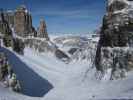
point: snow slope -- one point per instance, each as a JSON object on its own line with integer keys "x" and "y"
{"x": 74, "y": 81}
{"x": 71, "y": 82}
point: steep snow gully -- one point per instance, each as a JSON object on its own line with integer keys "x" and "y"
{"x": 32, "y": 84}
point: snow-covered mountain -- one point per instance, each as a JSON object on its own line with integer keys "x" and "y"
{"x": 44, "y": 77}
{"x": 97, "y": 66}
{"x": 77, "y": 47}
{"x": 76, "y": 80}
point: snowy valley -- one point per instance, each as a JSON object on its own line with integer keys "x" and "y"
{"x": 61, "y": 81}
{"x": 35, "y": 65}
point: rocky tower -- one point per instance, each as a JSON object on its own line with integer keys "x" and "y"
{"x": 4, "y": 27}
{"x": 1, "y": 15}
{"x": 22, "y": 22}
{"x": 116, "y": 35}
{"x": 6, "y": 33}
{"x": 9, "y": 17}
{"x": 42, "y": 30}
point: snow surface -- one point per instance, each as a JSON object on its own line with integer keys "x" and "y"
{"x": 74, "y": 81}
{"x": 43, "y": 77}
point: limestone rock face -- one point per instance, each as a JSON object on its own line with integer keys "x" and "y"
{"x": 118, "y": 24}
{"x": 42, "y": 30}
{"x": 18, "y": 46}
{"x": 6, "y": 33}
{"x": 16, "y": 26}
{"x": 23, "y": 22}
{"x": 4, "y": 27}
{"x": 118, "y": 60}
{"x": 115, "y": 5}
{"x": 9, "y": 17}
{"x": 20, "y": 20}
{"x": 116, "y": 31}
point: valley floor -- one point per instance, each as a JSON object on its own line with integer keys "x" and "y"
{"x": 55, "y": 80}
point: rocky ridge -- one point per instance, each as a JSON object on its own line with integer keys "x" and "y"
{"x": 23, "y": 22}
{"x": 42, "y": 30}
{"x": 116, "y": 31}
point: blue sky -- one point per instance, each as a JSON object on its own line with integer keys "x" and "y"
{"x": 63, "y": 16}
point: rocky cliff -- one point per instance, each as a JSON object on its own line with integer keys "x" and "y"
{"x": 4, "y": 26}
{"x": 23, "y": 22}
{"x": 116, "y": 31}
{"x": 118, "y": 24}
{"x": 42, "y": 30}
{"x": 9, "y": 17}
{"x": 20, "y": 20}
{"x": 5, "y": 31}
{"x": 18, "y": 24}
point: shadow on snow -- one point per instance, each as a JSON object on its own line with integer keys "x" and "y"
{"x": 32, "y": 84}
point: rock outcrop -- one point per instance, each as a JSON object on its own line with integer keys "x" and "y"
{"x": 5, "y": 31}
{"x": 40, "y": 45}
{"x": 79, "y": 48}
{"x": 117, "y": 60}
{"x": 43, "y": 46}
{"x": 116, "y": 31}
{"x": 18, "y": 46}
{"x": 62, "y": 56}
{"x": 4, "y": 27}
{"x": 20, "y": 20}
{"x": 23, "y": 22}
{"x": 9, "y": 17}
{"x": 18, "y": 24}
{"x": 7, "y": 76}
{"x": 42, "y": 30}
{"x": 86, "y": 52}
